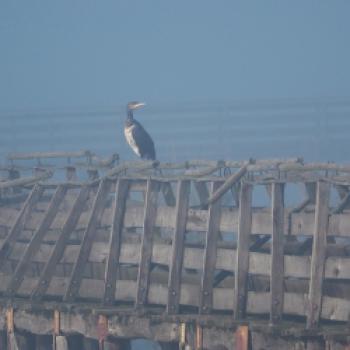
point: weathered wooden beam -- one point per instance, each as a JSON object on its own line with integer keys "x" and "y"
{"x": 16, "y": 228}
{"x": 122, "y": 190}
{"x": 85, "y": 247}
{"x": 300, "y": 223}
{"x": 230, "y": 181}
{"x": 318, "y": 254}
{"x": 183, "y": 192}
{"x": 59, "y": 247}
{"x": 35, "y": 242}
{"x": 26, "y": 180}
{"x": 209, "y": 261}
{"x": 150, "y": 210}
{"x": 242, "y": 256}
{"x": 277, "y": 258}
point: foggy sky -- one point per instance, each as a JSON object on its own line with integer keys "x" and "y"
{"x": 85, "y": 54}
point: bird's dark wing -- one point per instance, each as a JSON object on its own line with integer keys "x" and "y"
{"x": 143, "y": 141}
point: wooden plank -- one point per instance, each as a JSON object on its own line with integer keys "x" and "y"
{"x": 318, "y": 254}
{"x": 16, "y": 228}
{"x": 24, "y": 181}
{"x": 34, "y": 244}
{"x": 176, "y": 262}
{"x": 300, "y": 223}
{"x": 88, "y": 237}
{"x": 150, "y": 211}
{"x": 209, "y": 261}
{"x": 58, "y": 249}
{"x": 122, "y": 190}
{"x": 277, "y": 258}
{"x": 242, "y": 257}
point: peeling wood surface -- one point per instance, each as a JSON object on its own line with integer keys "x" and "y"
{"x": 110, "y": 246}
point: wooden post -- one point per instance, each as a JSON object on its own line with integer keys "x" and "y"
{"x": 147, "y": 242}
{"x": 102, "y": 330}
{"x": 242, "y": 338}
{"x": 56, "y": 328}
{"x": 318, "y": 254}
{"x": 242, "y": 257}
{"x": 182, "y": 335}
{"x": 10, "y": 328}
{"x": 174, "y": 281}
{"x": 199, "y": 337}
{"x": 213, "y": 224}
{"x": 88, "y": 237}
{"x": 277, "y": 257}
{"x": 122, "y": 189}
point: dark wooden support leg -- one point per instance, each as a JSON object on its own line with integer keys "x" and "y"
{"x": 43, "y": 342}
{"x": 168, "y": 346}
{"x": 3, "y": 340}
{"x": 74, "y": 342}
{"x": 117, "y": 344}
{"x": 90, "y": 344}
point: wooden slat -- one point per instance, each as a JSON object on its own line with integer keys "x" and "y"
{"x": 242, "y": 257}
{"x": 277, "y": 258}
{"x": 16, "y": 228}
{"x": 209, "y": 261}
{"x": 150, "y": 211}
{"x": 176, "y": 262}
{"x": 318, "y": 254}
{"x": 122, "y": 190}
{"x": 59, "y": 247}
{"x": 35, "y": 242}
{"x": 300, "y": 223}
{"x": 85, "y": 247}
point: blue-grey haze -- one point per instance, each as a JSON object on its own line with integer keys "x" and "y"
{"x": 222, "y": 79}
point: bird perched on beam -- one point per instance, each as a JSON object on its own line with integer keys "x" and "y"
{"x": 136, "y": 136}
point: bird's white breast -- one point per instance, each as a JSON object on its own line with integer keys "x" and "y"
{"x": 130, "y": 140}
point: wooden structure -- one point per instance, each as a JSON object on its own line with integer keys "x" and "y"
{"x": 181, "y": 253}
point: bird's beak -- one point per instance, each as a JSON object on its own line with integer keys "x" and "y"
{"x": 139, "y": 105}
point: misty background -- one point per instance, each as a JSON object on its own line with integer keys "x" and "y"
{"x": 222, "y": 80}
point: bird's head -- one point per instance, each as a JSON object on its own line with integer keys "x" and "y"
{"x": 135, "y": 105}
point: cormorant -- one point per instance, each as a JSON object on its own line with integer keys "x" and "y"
{"x": 136, "y": 136}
